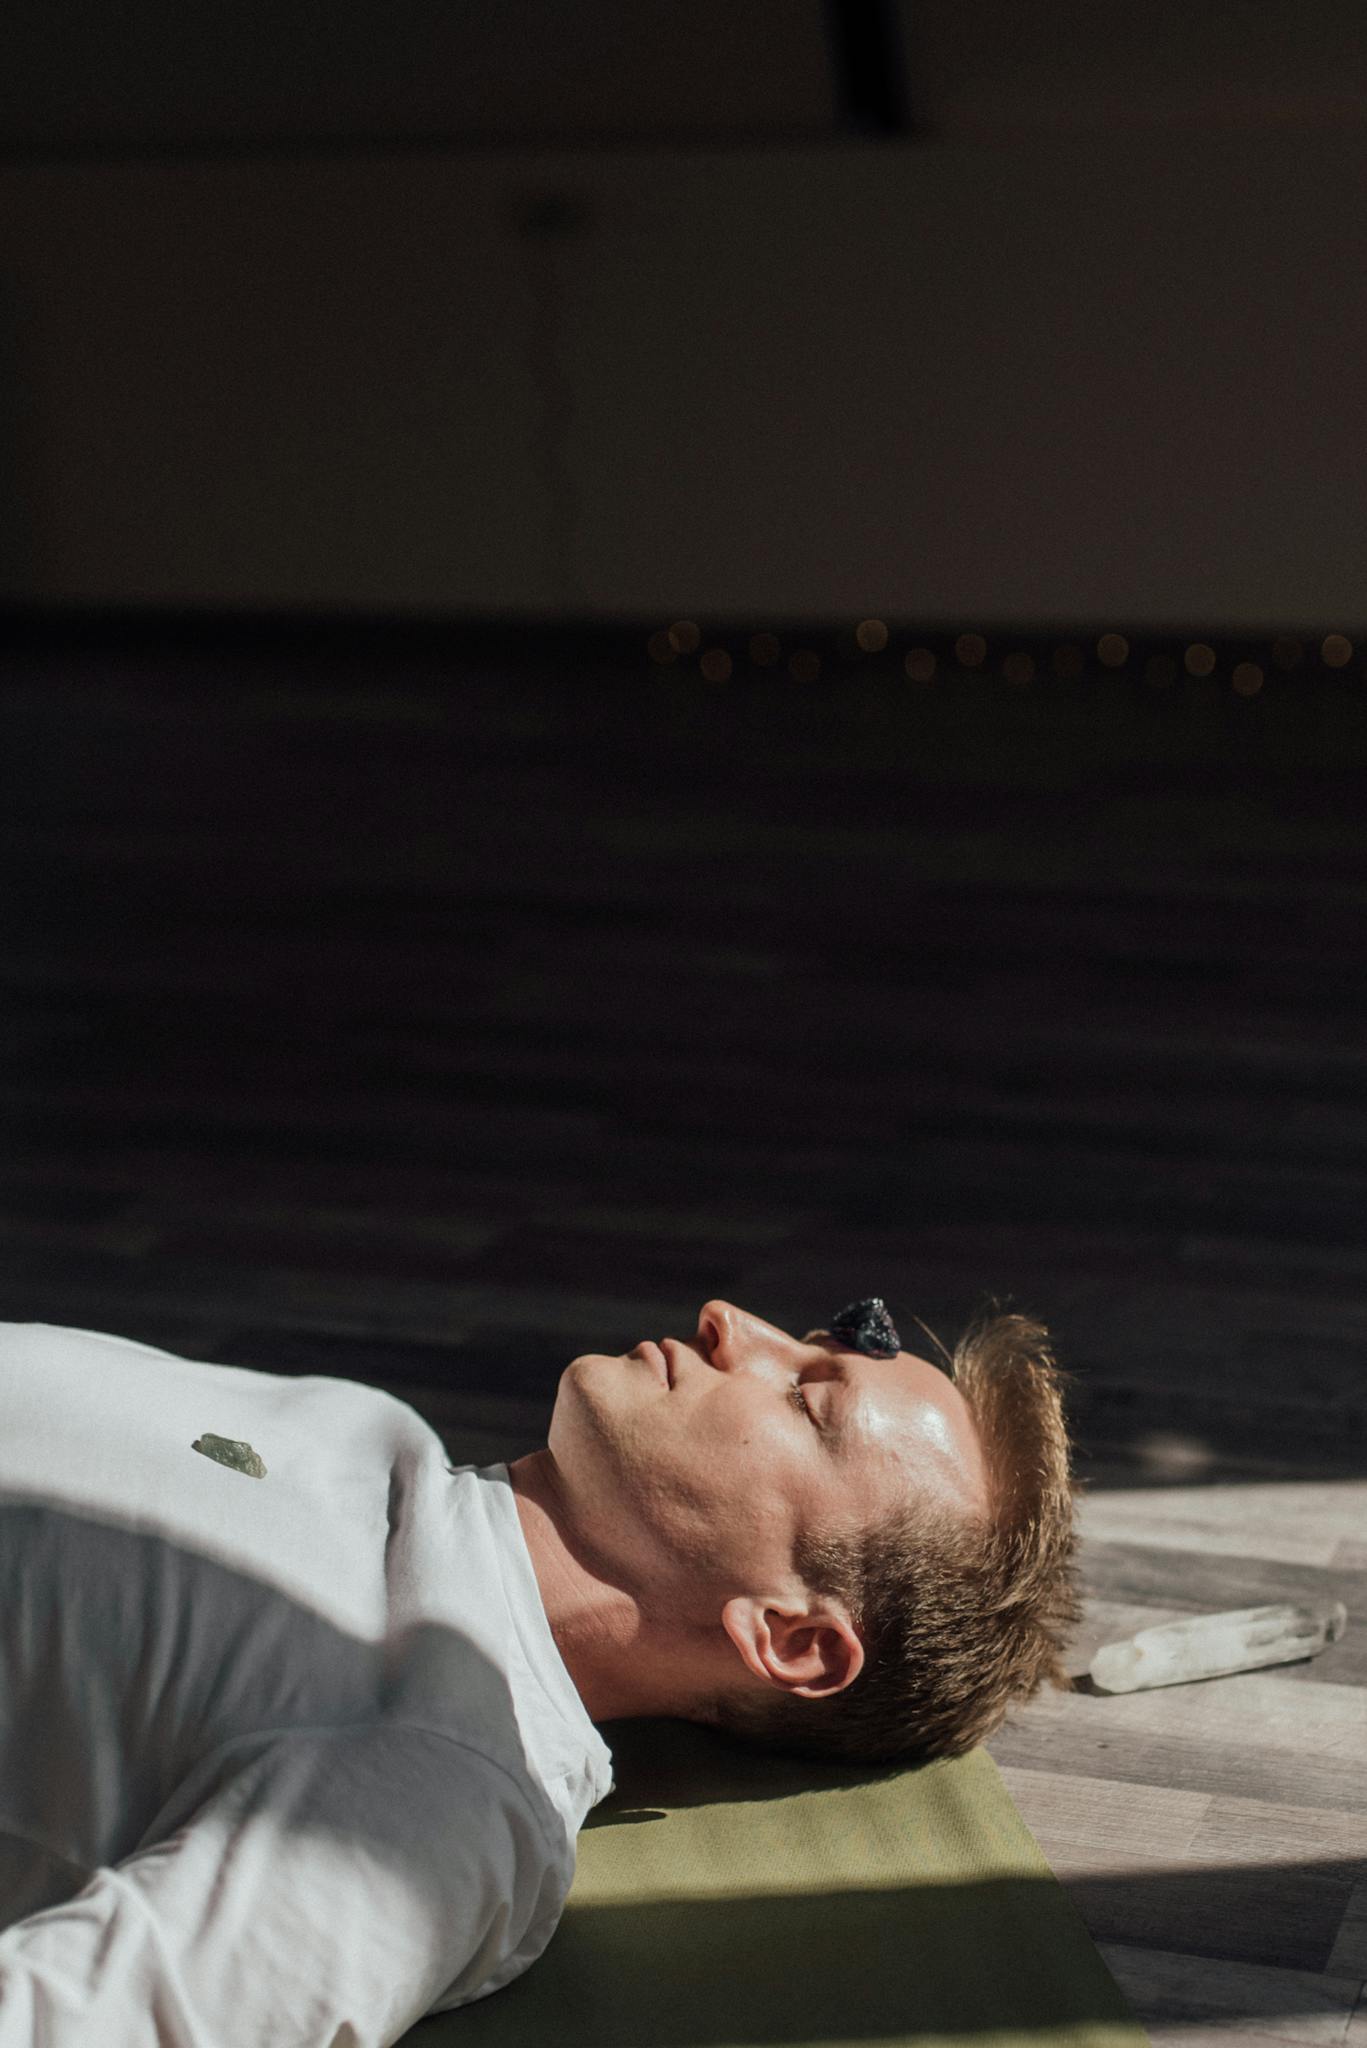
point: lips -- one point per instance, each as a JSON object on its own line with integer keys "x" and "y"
{"x": 657, "y": 1358}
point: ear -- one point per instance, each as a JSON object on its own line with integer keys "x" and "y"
{"x": 812, "y": 1651}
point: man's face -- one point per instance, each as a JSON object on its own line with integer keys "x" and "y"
{"x": 691, "y": 1492}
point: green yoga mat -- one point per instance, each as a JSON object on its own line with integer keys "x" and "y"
{"x": 724, "y": 1898}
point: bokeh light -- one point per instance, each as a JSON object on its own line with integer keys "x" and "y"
{"x": 1020, "y": 666}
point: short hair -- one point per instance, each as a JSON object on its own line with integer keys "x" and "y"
{"x": 960, "y": 1614}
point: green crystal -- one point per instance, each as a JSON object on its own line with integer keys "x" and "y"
{"x": 230, "y": 1450}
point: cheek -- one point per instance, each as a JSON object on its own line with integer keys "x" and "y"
{"x": 699, "y": 1479}
{"x": 745, "y": 1468}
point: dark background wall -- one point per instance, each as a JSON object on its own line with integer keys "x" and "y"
{"x": 934, "y": 311}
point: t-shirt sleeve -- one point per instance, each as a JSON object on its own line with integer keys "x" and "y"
{"x": 330, "y": 1891}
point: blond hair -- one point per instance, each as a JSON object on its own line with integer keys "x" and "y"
{"x": 960, "y": 1616}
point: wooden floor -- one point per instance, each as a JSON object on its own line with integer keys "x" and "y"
{"x": 431, "y": 1011}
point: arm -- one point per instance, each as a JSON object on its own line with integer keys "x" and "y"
{"x": 323, "y": 1896}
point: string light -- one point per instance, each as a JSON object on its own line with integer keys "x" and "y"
{"x": 1019, "y": 666}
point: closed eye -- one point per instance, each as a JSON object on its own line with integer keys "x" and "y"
{"x": 802, "y": 1402}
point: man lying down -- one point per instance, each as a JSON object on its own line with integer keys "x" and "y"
{"x": 297, "y": 1720}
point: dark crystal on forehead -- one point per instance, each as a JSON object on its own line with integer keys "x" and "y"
{"x": 866, "y": 1326}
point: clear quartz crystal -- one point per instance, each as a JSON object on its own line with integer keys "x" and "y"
{"x": 1214, "y": 1645}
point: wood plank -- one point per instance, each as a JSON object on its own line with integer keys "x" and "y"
{"x": 1219, "y": 2034}
{"x": 1129, "y": 1859}
{"x": 1356, "y": 2036}
{"x": 1258, "y": 1831}
{"x": 1201, "y": 1997}
{"x": 1348, "y": 1957}
{"x": 1284, "y": 1917}
{"x": 1289, "y": 1524}
{"x": 1300, "y": 1744}
{"x": 1097, "y": 1824}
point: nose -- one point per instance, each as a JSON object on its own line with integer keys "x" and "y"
{"x": 716, "y": 1328}
{"x": 733, "y": 1339}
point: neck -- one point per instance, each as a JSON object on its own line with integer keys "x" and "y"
{"x": 622, "y": 1665}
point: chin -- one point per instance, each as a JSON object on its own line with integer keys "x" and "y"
{"x": 569, "y": 1395}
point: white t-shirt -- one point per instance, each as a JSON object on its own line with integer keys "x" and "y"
{"x": 285, "y": 1760}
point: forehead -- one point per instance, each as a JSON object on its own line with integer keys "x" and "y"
{"x": 907, "y": 1408}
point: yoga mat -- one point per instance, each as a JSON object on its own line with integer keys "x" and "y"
{"x": 725, "y": 1897}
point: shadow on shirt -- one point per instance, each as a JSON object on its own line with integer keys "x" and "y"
{"x": 140, "y": 1679}
{"x": 136, "y": 1676}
